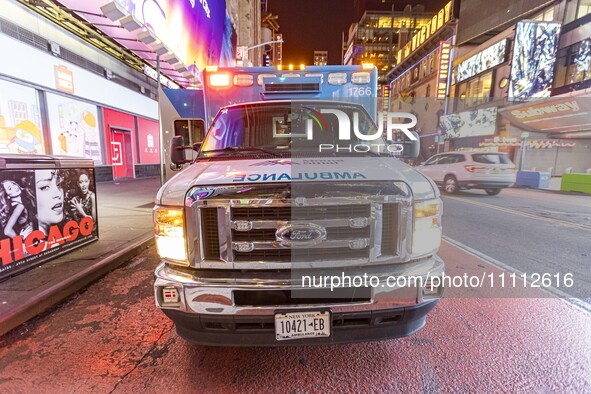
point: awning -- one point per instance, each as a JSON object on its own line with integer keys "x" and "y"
{"x": 560, "y": 117}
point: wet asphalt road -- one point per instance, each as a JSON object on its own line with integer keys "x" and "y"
{"x": 111, "y": 338}
{"x": 529, "y": 230}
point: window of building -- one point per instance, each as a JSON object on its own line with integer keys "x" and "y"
{"x": 474, "y": 92}
{"x": 478, "y": 90}
{"x": 385, "y": 22}
{"x": 546, "y": 16}
{"x": 573, "y": 64}
{"x": 576, "y": 9}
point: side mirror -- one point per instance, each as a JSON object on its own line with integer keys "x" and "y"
{"x": 197, "y": 145}
{"x": 410, "y": 148}
{"x": 177, "y": 150}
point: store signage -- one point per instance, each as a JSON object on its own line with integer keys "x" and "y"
{"x": 116, "y": 153}
{"x": 443, "y": 69}
{"x": 48, "y": 212}
{"x": 482, "y": 61}
{"x": 436, "y": 23}
{"x": 531, "y": 144}
{"x": 534, "y": 54}
{"x": 150, "y": 72}
{"x": 535, "y": 112}
{"x": 64, "y": 79}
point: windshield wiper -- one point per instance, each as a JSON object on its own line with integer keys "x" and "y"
{"x": 242, "y": 149}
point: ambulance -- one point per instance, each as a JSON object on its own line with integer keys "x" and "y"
{"x": 288, "y": 216}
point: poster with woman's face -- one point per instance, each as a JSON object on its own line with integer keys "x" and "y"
{"x": 43, "y": 213}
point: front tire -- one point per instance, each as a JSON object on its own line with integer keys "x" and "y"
{"x": 450, "y": 184}
{"x": 492, "y": 192}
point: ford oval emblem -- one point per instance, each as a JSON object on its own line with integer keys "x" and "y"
{"x": 294, "y": 234}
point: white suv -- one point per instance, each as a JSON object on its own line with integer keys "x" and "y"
{"x": 490, "y": 171}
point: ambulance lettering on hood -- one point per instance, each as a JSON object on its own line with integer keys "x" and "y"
{"x": 301, "y": 176}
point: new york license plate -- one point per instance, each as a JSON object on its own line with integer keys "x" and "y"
{"x": 297, "y": 325}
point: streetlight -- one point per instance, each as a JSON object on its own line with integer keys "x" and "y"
{"x": 244, "y": 50}
{"x": 524, "y": 136}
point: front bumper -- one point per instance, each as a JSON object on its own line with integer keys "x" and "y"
{"x": 208, "y": 311}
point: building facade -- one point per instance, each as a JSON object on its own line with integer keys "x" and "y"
{"x": 320, "y": 58}
{"x": 71, "y": 88}
{"x": 513, "y": 83}
{"x": 419, "y": 79}
{"x": 519, "y": 83}
{"x": 377, "y": 36}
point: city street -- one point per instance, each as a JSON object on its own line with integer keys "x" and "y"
{"x": 236, "y": 173}
{"x": 529, "y": 231}
{"x": 111, "y": 338}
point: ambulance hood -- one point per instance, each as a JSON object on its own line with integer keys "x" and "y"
{"x": 240, "y": 172}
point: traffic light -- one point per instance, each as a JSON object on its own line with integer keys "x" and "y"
{"x": 266, "y": 60}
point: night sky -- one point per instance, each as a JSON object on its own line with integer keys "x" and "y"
{"x": 309, "y": 25}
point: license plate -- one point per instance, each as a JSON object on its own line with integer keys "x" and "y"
{"x": 494, "y": 171}
{"x": 298, "y": 325}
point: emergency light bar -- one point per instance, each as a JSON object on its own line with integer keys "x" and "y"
{"x": 291, "y": 85}
{"x": 219, "y": 80}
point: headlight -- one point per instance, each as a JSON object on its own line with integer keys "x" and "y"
{"x": 170, "y": 234}
{"x": 426, "y": 236}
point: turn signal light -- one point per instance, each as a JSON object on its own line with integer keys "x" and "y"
{"x": 474, "y": 168}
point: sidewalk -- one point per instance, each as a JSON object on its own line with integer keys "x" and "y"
{"x": 125, "y": 228}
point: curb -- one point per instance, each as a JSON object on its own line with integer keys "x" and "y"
{"x": 569, "y": 193}
{"x": 55, "y": 294}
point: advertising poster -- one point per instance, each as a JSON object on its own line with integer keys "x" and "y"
{"x": 44, "y": 213}
{"x": 534, "y": 54}
{"x": 470, "y": 123}
{"x": 20, "y": 120}
{"x": 74, "y": 128}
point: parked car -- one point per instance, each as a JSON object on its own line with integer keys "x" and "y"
{"x": 453, "y": 171}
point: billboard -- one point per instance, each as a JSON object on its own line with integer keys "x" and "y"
{"x": 482, "y": 61}
{"x": 197, "y": 32}
{"x": 534, "y": 54}
{"x": 43, "y": 213}
{"x": 470, "y": 123}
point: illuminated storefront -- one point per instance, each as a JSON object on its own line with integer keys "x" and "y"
{"x": 59, "y": 110}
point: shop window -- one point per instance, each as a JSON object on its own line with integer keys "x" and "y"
{"x": 478, "y": 90}
{"x": 573, "y": 64}
{"x": 460, "y": 97}
{"x": 192, "y": 130}
{"x": 576, "y": 9}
